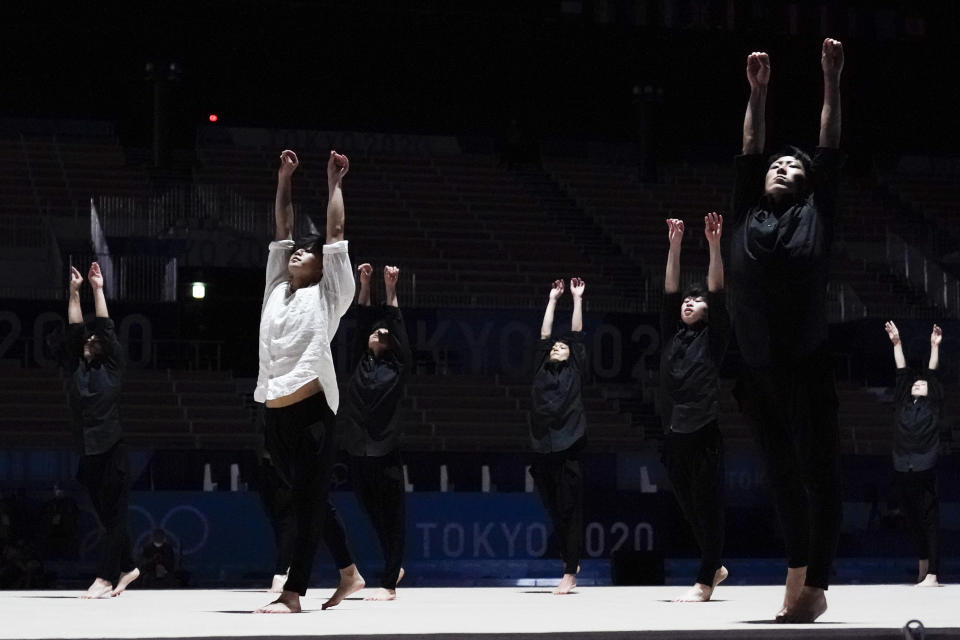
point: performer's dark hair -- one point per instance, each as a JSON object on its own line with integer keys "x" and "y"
{"x": 694, "y": 291}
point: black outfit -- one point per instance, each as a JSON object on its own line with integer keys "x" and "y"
{"x": 93, "y": 393}
{"x": 778, "y": 272}
{"x": 916, "y": 445}
{"x": 693, "y": 450}
{"x": 558, "y": 434}
{"x": 372, "y": 432}
{"x": 300, "y": 440}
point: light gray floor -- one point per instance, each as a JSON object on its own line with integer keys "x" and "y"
{"x": 504, "y": 610}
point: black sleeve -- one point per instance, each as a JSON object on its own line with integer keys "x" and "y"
{"x": 394, "y": 321}
{"x": 719, "y": 326}
{"x": 578, "y": 351}
{"x": 748, "y": 171}
{"x": 934, "y": 388}
{"x": 367, "y": 315}
{"x": 826, "y": 179}
{"x": 669, "y": 316}
{"x": 73, "y": 344}
{"x": 541, "y": 352}
{"x": 112, "y": 355}
{"x": 905, "y": 379}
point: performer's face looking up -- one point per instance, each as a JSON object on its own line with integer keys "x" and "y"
{"x": 305, "y": 267}
{"x": 785, "y": 177}
{"x": 559, "y": 352}
{"x": 92, "y": 348}
{"x": 379, "y": 342}
{"x": 693, "y": 310}
{"x": 919, "y": 389}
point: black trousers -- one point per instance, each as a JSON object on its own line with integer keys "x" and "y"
{"x": 300, "y": 440}
{"x": 918, "y": 499}
{"x": 558, "y": 478}
{"x": 278, "y": 502}
{"x": 694, "y": 463}
{"x": 106, "y": 477}
{"x": 793, "y": 409}
{"x": 379, "y": 485}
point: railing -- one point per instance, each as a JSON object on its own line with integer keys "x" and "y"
{"x": 941, "y": 288}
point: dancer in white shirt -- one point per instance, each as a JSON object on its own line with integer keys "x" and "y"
{"x": 307, "y": 292}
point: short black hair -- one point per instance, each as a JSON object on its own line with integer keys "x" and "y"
{"x": 694, "y": 291}
{"x": 796, "y": 152}
{"x": 311, "y": 242}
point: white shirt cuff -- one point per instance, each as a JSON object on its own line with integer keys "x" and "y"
{"x": 335, "y": 247}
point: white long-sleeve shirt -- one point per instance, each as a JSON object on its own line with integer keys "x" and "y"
{"x": 296, "y": 328}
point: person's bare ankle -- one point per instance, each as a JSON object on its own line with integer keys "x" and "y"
{"x": 288, "y": 602}
{"x": 350, "y": 582}
{"x": 809, "y": 605}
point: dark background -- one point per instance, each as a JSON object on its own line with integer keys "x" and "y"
{"x": 457, "y": 67}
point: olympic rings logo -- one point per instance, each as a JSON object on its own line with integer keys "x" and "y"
{"x": 180, "y": 533}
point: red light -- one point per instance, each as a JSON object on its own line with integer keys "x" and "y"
{"x": 212, "y": 117}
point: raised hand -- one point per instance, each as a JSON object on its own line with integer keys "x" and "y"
{"x": 288, "y": 163}
{"x": 936, "y": 336}
{"x": 674, "y": 232}
{"x": 556, "y": 289}
{"x": 94, "y": 276}
{"x": 76, "y": 280}
{"x": 337, "y": 166}
{"x": 390, "y": 276}
{"x": 577, "y": 287}
{"x": 894, "y": 333}
{"x": 713, "y": 227}
{"x": 831, "y": 58}
{"x": 758, "y": 70}
{"x": 365, "y": 271}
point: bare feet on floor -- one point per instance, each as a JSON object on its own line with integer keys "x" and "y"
{"x": 567, "y": 583}
{"x": 125, "y": 580}
{"x": 99, "y": 589}
{"x": 701, "y": 592}
{"x": 276, "y": 586}
{"x": 930, "y": 580}
{"x": 809, "y": 605}
{"x": 350, "y": 582}
{"x": 288, "y": 602}
{"x": 382, "y": 594}
{"x": 795, "y": 579}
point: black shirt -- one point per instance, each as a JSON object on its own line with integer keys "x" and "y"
{"x": 370, "y": 412}
{"x": 93, "y": 389}
{"x": 779, "y": 261}
{"x": 690, "y": 363}
{"x": 916, "y": 439}
{"x": 557, "y": 418}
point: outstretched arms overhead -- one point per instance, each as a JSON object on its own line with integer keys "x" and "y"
{"x": 754, "y": 120}
{"x": 671, "y": 278}
{"x": 894, "y": 335}
{"x": 577, "y": 287}
{"x": 283, "y": 204}
{"x": 936, "y": 336}
{"x": 365, "y": 271}
{"x": 337, "y": 167}
{"x": 713, "y": 229}
{"x": 546, "y": 327}
{"x": 390, "y": 277}
{"x": 831, "y": 61}
{"x": 96, "y": 283}
{"x": 74, "y": 312}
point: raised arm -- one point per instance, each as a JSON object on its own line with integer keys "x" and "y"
{"x": 894, "y": 334}
{"x": 546, "y": 328}
{"x": 713, "y": 229}
{"x": 337, "y": 167}
{"x": 283, "y": 205}
{"x": 74, "y": 312}
{"x": 390, "y": 277}
{"x": 831, "y": 60}
{"x": 754, "y": 120}
{"x": 365, "y": 271}
{"x": 96, "y": 283}
{"x": 577, "y": 287}
{"x": 936, "y": 336}
{"x": 671, "y": 278}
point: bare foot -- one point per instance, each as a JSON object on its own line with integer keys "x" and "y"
{"x": 795, "y": 579}
{"x": 698, "y": 593}
{"x": 350, "y": 582}
{"x": 567, "y": 583}
{"x": 288, "y": 602}
{"x": 99, "y": 589}
{"x": 276, "y": 586}
{"x": 809, "y": 605}
{"x": 124, "y": 582}
{"x": 720, "y": 575}
{"x": 382, "y": 594}
{"x": 930, "y": 580}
